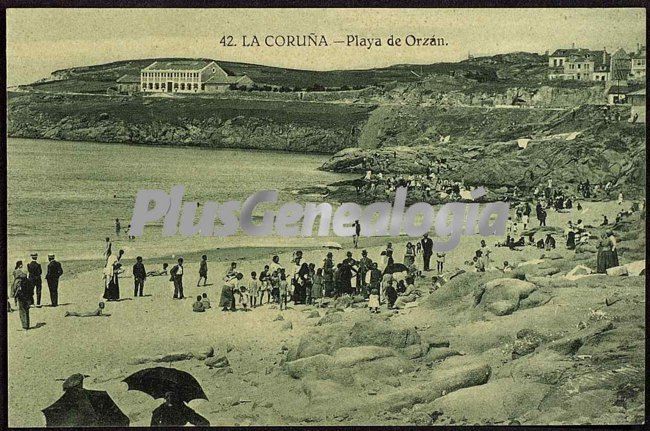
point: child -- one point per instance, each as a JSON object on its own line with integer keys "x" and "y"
{"x": 231, "y": 272}
{"x": 282, "y": 289}
{"x": 244, "y": 299}
{"x": 203, "y": 271}
{"x": 253, "y": 289}
{"x": 440, "y": 262}
{"x": 275, "y": 287}
{"x": 197, "y": 307}
{"x": 391, "y": 294}
{"x": 205, "y": 301}
{"x": 373, "y": 301}
{"x": 265, "y": 281}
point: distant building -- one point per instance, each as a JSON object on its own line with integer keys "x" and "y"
{"x": 589, "y": 65}
{"x": 219, "y": 83}
{"x": 617, "y": 94}
{"x": 187, "y": 76}
{"x": 128, "y": 84}
{"x": 579, "y": 64}
{"x": 637, "y": 59}
{"x": 637, "y": 100}
{"x": 620, "y": 66}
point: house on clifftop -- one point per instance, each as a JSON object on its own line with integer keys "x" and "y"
{"x": 188, "y": 76}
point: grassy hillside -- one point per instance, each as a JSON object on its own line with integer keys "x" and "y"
{"x": 98, "y": 78}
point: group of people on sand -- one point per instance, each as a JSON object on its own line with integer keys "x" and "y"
{"x": 28, "y": 283}
{"x": 301, "y": 282}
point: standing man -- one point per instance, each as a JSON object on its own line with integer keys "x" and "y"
{"x": 22, "y": 293}
{"x": 118, "y": 227}
{"x": 365, "y": 265}
{"x": 177, "y": 278}
{"x": 427, "y": 250}
{"x": 34, "y": 270}
{"x": 54, "y": 272}
{"x": 328, "y": 275}
{"x": 139, "y": 276}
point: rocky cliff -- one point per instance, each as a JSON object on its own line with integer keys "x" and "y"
{"x": 294, "y": 126}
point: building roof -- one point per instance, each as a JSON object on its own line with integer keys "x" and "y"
{"x": 618, "y": 89}
{"x": 129, "y": 79}
{"x": 194, "y": 65}
{"x": 225, "y": 80}
{"x": 620, "y": 54}
{"x": 640, "y": 92}
{"x": 638, "y": 55}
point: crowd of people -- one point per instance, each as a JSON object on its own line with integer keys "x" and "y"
{"x": 379, "y": 281}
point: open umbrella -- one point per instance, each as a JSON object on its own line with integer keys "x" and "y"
{"x": 80, "y": 407}
{"x": 397, "y": 267}
{"x": 159, "y": 380}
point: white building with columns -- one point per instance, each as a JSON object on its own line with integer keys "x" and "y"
{"x": 178, "y": 76}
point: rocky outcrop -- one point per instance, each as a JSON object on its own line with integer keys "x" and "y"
{"x": 204, "y": 122}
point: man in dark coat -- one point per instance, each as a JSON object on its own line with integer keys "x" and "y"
{"x": 139, "y": 276}
{"x": 177, "y": 277}
{"x": 54, "y": 272}
{"x": 174, "y": 412}
{"x": 35, "y": 271}
{"x": 427, "y": 250}
{"x": 365, "y": 265}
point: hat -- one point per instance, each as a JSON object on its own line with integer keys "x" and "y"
{"x": 33, "y": 255}
{"x": 74, "y": 381}
{"x": 50, "y": 255}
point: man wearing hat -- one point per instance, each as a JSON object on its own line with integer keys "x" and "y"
{"x": 35, "y": 271}
{"x": 54, "y": 272}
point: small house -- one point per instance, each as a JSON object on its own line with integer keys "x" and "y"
{"x": 637, "y": 100}
{"x": 221, "y": 83}
{"x": 128, "y": 84}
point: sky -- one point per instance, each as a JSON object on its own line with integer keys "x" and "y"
{"x": 40, "y": 41}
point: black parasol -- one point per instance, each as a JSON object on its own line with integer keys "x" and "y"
{"x": 80, "y": 407}
{"x": 159, "y": 380}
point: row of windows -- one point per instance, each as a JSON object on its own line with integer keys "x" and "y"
{"x": 176, "y": 86}
{"x": 170, "y": 74}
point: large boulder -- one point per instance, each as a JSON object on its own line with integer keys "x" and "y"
{"x": 436, "y": 385}
{"x": 577, "y": 272}
{"x": 570, "y": 344}
{"x": 636, "y": 268}
{"x": 349, "y": 356}
{"x": 378, "y": 333}
{"x": 617, "y": 271}
{"x": 503, "y": 295}
{"x": 495, "y": 401}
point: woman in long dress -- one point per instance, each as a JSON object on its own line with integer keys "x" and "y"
{"x": 112, "y": 282}
{"x": 227, "y": 300}
{"x": 409, "y": 256}
{"x": 607, "y": 256}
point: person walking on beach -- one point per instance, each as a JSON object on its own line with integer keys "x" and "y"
{"x": 54, "y": 272}
{"x": 427, "y": 250}
{"x": 22, "y": 293}
{"x": 177, "y": 277}
{"x": 440, "y": 262}
{"x": 203, "y": 271}
{"x": 118, "y": 227}
{"x": 357, "y": 233}
{"x": 139, "y": 276}
{"x": 35, "y": 271}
